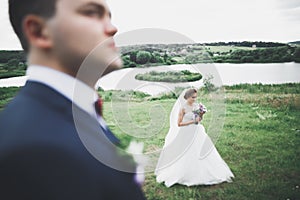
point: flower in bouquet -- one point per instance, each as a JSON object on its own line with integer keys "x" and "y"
{"x": 199, "y": 108}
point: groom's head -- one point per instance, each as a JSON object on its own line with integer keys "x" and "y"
{"x": 65, "y": 32}
{"x": 19, "y": 9}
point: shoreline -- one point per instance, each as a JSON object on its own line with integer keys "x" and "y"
{"x": 224, "y": 74}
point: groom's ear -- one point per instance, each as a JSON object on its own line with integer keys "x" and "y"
{"x": 36, "y": 31}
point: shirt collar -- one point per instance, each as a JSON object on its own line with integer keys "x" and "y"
{"x": 78, "y": 92}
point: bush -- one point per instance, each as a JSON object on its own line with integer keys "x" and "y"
{"x": 208, "y": 85}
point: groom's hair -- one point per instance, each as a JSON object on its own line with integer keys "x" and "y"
{"x": 189, "y": 93}
{"x": 19, "y": 9}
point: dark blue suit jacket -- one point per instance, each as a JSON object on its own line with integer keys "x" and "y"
{"x": 50, "y": 149}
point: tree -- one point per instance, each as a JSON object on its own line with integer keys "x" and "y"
{"x": 142, "y": 57}
{"x": 12, "y": 64}
{"x": 297, "y": 54}
{"x": 156, "y": 58}
{"x": 247, "y": 59}
{"x": 132, "y": 56}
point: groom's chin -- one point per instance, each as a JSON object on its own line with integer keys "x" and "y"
{"x": 115, "y": 65}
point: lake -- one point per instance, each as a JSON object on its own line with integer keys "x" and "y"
{"x": 223, "y": 74}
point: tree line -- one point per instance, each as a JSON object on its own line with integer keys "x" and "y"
{"x": 246, "y": 44}
{"x": 261, "y": 55}
{"x": 13, "y": 63}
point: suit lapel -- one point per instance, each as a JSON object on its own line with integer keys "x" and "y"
{"x": 87, "y": 127}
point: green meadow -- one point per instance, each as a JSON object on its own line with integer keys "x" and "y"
{"x": 260, "y": 139}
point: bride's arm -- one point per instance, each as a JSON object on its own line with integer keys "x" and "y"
{"x": 180, "y": 117}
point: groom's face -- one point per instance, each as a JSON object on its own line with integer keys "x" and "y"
{"x": 78, "y": 26}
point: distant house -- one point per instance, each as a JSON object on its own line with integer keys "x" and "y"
{"x": 254, "y": 46}
{"x": 183, "y": 52}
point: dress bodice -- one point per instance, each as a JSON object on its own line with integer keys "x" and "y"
{"x": 188, "y": 112}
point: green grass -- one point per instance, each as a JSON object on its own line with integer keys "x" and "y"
{"x": 9, "y": 74}
{"x": 178, "y": 59}
{"x": 6, "y": 95}
{"x": 260, "y": 140}
{"x": 226, "y": 49}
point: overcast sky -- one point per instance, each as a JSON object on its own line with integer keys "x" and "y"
{"x": 199, "y": 20}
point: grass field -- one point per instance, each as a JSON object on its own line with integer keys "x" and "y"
{"x": 226, "y": 49}
{"x": 260, "y": 141}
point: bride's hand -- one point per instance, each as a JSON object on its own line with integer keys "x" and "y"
{"x": 198, "y": 119}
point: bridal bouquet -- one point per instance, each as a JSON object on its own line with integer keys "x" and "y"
{"x": 199, "y": 110}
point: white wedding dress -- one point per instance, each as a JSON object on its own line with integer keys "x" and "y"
{"x": 189, "y": 157}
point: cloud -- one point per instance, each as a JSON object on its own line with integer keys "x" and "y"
{"x": 289, "y": 4}
{"x": 290, "y": 9}
{"x": 200, "y": 20}
{"x": 293, "y": 14}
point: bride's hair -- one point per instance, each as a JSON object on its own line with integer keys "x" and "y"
{"x": 189, "y": 93}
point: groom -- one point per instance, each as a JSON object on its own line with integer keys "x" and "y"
{"x": 53, "y": 144}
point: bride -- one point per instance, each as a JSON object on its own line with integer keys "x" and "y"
{"x": 189, "y": 157}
